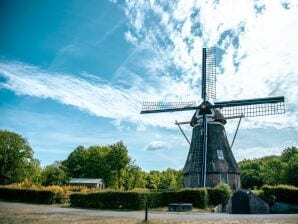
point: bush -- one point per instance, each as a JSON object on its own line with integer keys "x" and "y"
{"x": 111, "y": 200}
{"x": 155, "y": 199}
{"x": 219, "y": 195}
{"x": 27, "y": 195}
{"x": 280, "y": 193}
{"x": 197, "y": 196}
{"x": 61, "y": 193}
{"x": 137, "y": 199}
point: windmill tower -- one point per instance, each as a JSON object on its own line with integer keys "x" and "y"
{"x": 210, "y": 160}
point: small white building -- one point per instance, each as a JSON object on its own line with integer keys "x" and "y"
{"x": 88, "y": 182}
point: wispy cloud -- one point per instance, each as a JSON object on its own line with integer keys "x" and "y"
{"x": 156, "y": 145}
{"x": 256, "y": 152}
{"x": 258, "y": 41}
{"x": 100, "y": 99}
{"x": 260, "y": 59}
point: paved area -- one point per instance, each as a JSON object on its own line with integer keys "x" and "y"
{"x": 50, "y": 209}
{"x": 140, "y": 214}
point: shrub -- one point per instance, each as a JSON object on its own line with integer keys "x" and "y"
{"x": 280, "y": 193}
{"x": 137, "y": 199}
{"x": 219, "y": 195}
{"x": 61, "y": 194}
{"x": 27, "y": 195}
{"x": 197, "y": 196}
{"x": 110, "y": 200}
{"x": 155, "y": 199}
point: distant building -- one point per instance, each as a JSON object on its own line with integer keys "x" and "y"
{"x": 99, "y": 183}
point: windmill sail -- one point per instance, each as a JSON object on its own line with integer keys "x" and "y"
{"x": 208, "y": 73}
{"x": 252, "y": 107}
{"x": 210, "y": 160}
{"x": 211, "y": 73}
{"x": 158, "y": 107}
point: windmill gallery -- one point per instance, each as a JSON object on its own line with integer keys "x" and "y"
{"x": 210, "y": 160}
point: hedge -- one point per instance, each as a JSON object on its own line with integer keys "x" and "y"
{"x": 27, "y": 195}
{"x": 109, "y": 200}
{"x": 197, "y": 196}
{"x": 219, "y": 194}
{"x": 137, "y": 200}
{"x": 280, "y": 193}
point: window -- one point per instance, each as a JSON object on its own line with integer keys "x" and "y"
{"x": 220, "y": 155}
{"x": 223, "y": 178}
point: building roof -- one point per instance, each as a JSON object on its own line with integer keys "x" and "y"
{"x": 85, "y": 181}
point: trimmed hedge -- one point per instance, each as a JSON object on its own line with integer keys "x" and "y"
{"x": 137, "y": 200}
{"x": 155, "y": 199}
{"x": 280, "y": 193}
{"x": 110, "y": 200}
{"x": 197, "y": 196}
{"x": 27, "y": 195}
{"x": 219, "y": 194}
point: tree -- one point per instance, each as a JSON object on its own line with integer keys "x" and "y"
{"x": 288, "y": 153}
{"x": 250, "y": 178}
{"x": 273, "y": 171}
{"x": 152, "y": 179}
{"x": 96, "y": 164}
{"x": 171, "y": 179}
{"x": 106, "y": 162}
{"x": 250, "y": 173}
{"x": 133, "y": 177}
{"x": 16, "y": 159}
{"x": 291, "y": 173}
{"x": 118, "y": 159}
{"x": 54, "y": 175}
{"x": 76, "y": 162}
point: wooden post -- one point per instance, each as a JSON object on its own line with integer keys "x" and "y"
{"x": 146, "y": 211}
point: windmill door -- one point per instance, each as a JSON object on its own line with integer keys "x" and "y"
{"x": 240, "y": 203}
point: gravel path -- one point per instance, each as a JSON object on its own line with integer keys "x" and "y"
{"x": 50, "y": 209}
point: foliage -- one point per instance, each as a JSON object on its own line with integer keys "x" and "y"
{"x": 291, "y": 173}
{"x": 137, "y": 199}
{"x": 219, "y": 194}
{"x": 197, "y": 196}
{"x": 106, "y": 162}
{"x": 110, "y": 200}
{"x": 118, "y": 160}
{"x": 76, "y": 162}
{"x": 54, "y": 175}
{"x": 280, "y": 193}
{"x": 27, "y": 195}
{"x": 271, "y": 170}
{"x": 133, "y": 177}
{"x": 169, "y": 179}
{"x": 16, "y": 159}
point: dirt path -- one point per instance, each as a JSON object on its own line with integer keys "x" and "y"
{"x": 16, "y": 213}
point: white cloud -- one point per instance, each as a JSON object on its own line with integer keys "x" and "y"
{"x": 129, "y": 37}
{"x": 258, "y": 38}
{"x": 93, "y": 96}
{"x": 156, "y": 145}
{"x": 267, "y": 57}
{"x": 256, "y": 152}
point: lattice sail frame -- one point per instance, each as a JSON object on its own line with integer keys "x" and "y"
{"x": 246, "y": 108}
{"x": 157, "y": 107}
{"x": 211, "y": 73}
{"x": 252, "y": 107}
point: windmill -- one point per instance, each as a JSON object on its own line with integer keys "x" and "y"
{"x": 210, "y": 160}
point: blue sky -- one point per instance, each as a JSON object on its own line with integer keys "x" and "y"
{"x": 76, "y": 72}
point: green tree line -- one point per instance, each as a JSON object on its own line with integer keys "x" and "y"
{"x": 113, "y": 164}
{"x": 271, "y": 170}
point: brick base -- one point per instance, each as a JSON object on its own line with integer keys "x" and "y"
{"x": 232, "y": 179}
